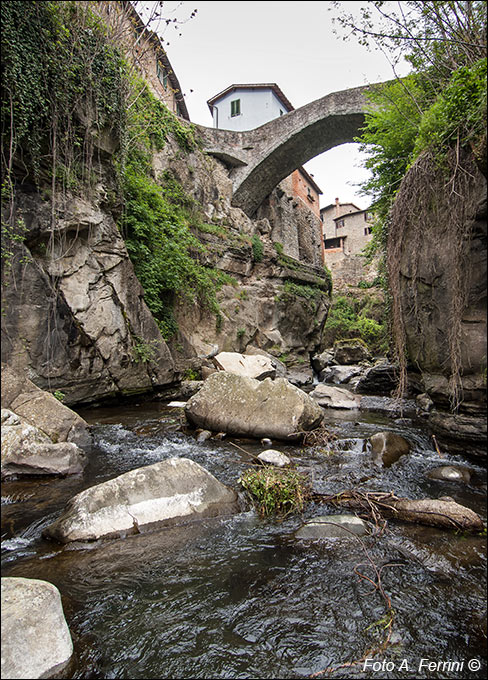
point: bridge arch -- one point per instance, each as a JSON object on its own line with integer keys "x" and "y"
{"x": 262, "y": 157}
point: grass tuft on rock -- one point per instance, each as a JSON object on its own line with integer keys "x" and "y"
{"x": 275, "y": 491}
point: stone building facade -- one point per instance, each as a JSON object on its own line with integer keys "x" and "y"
{"x": 144, "y": 50}
{"x": 294, "y": 206}
{"x": 347, "y": 230}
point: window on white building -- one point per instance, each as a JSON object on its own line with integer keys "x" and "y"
{"x": 235, "y": 107}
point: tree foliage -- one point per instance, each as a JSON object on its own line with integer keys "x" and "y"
{"x": 433, "y": 120}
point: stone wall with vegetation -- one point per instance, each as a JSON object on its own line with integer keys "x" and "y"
{"x": 123, "y": 259}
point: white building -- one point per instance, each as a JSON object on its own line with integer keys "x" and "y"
{"x": 245, "y": 107}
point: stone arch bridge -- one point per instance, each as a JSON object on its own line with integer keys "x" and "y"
{"x": 259, "y": 159}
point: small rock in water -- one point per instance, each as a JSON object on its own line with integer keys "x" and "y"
{"x": 332, "y": 526}
{"x": 272, "y": 457}
{"x": 387, "y": 447}
{"x": 449, "y": 473}
{"x": 203, "y": 435}
{"x": 266, "y": 442}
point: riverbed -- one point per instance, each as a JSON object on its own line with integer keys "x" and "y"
{"x": 240, "y": 596}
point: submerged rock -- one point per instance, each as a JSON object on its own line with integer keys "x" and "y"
{"x": 388, "y": 447}
{"x": 165, "y": 492}
{"x": 450, "y": 473}
{"x": 332, "y": 526}
{"x": 36, "y": 642}
{"x": 251, "y": 408}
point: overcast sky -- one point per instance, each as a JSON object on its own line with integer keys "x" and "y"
{"x": 288, "y": 43}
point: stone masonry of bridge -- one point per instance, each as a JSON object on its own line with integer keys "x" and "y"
{"x": 259, "y": 159}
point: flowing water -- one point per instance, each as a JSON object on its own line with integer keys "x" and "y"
{"x": 240, "y": 597}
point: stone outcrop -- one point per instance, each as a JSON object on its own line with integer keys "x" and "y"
{"x": 76, "y": 320}
{"x": 36, "y": 642}
{"x": 171, "y": 491}
{"x": 252, "y": 408}
{"x": 442, "y": 295}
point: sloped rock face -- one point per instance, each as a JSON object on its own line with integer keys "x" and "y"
{"x": 36, "y": 642}
{"x": 75, "y": 315}
{"x": 158, "y": 494}
{"x": 252, "y": 408}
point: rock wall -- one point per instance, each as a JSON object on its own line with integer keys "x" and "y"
{"x": 74, "y": 315}
{"x": 427, "y": 296}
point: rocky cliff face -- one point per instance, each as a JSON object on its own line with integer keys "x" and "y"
{"x": 434, "y": 302}
{"x": 75, "y": 319}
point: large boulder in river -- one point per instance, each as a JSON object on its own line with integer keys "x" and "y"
{"x": 350, "y": 351}
{"x": 42, "y": 410}
{"x": 159, "y": 494}
{"x": 250, "y": 366}
{"x": 335, "y": 397}
{"x": 36, "y": 642}
{"x": 27, "y": 450}
{"x": 252, "y": 408}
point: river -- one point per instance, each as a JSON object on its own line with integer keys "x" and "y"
{"x": 241, "y": 597}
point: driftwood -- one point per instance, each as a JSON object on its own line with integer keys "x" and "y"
{"x": 446, "y": 514}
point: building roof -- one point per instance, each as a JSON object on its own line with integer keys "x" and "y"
{"x": 161, "y": 55}
{"x": 350, "y": 214}
{"x": 334, "y": 205}
{"x": 252, "y": 86}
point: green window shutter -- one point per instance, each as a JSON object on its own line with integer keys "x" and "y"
{"x": 235, "y": 107}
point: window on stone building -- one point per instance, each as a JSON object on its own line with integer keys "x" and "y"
{"x": 235, "y": 107}
{"x": 339, "y": 223}
{"x": 367, "y": 230}
{"x": 366, "y": 216}
{"x": 162, "y": 75}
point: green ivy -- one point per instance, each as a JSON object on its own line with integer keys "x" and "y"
{"x": 257, "y": 248}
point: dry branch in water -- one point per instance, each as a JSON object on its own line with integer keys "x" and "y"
{"x": 438, "y": 513}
